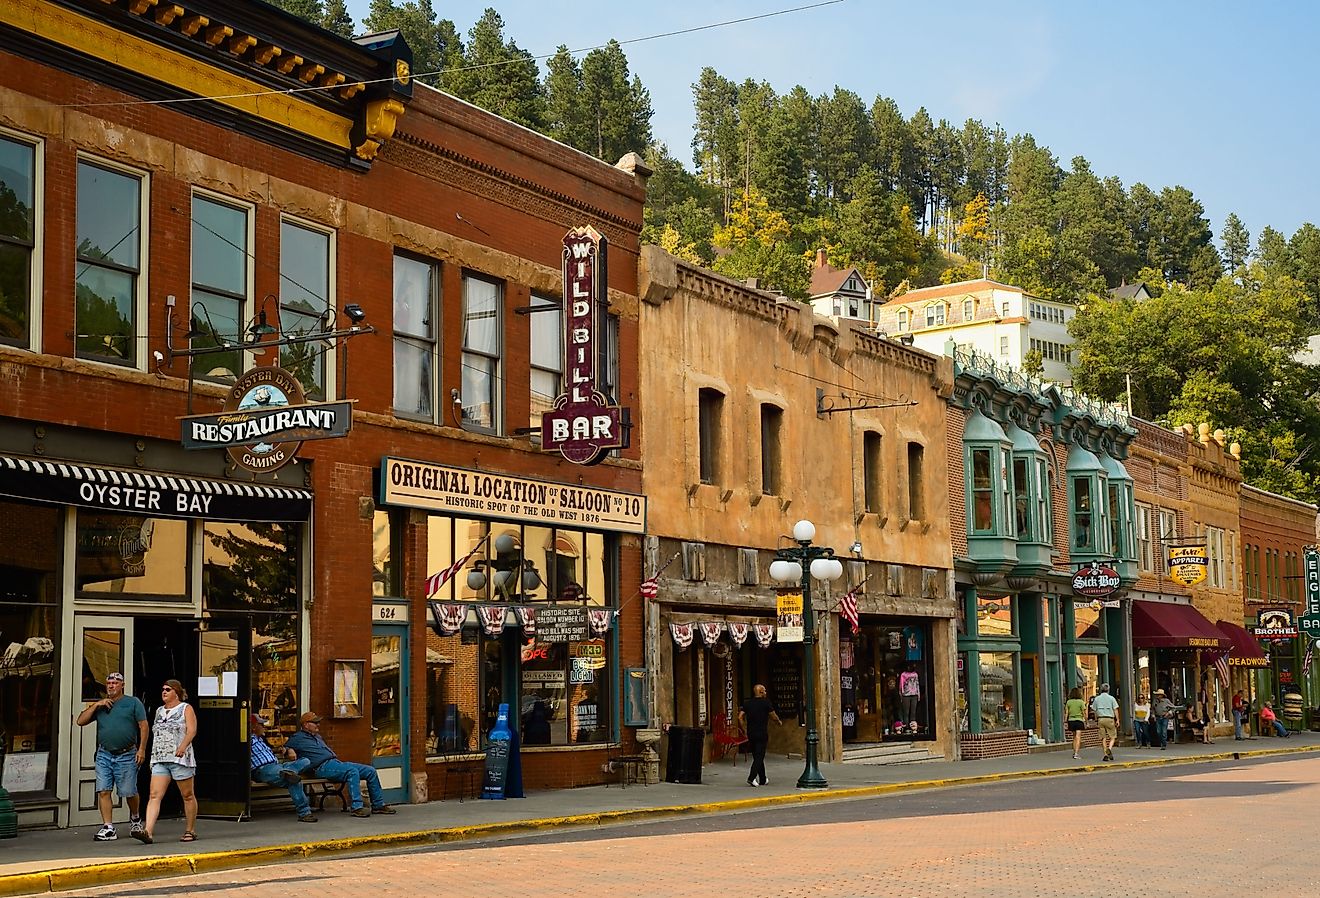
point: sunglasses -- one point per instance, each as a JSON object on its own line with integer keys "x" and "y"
{"x": 167, "y": 689}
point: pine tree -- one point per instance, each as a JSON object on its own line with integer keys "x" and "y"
{"x": 499, "y": 76}
{"x": 307, "y": 10}
{"x": 566, "y": 113}
{"x": 416, "y": 21}
{"x": 756, "y": 245}
{"x": 335, "y": 18}
{"x": 618, "y": 107}
{"x": 1236, "y": 240}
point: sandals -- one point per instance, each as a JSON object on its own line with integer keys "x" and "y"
{"x": 188, "y": 836}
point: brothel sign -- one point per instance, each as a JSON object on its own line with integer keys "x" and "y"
{"x": 583, "y": 425}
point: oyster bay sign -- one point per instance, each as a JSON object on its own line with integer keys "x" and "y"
{"x": 583, "y": 425}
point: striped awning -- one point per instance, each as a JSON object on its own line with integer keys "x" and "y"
{"x": 150, "y": 493}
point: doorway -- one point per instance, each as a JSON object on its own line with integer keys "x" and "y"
{"x": 104, "y": 645}
{"x": 389, "y": 709}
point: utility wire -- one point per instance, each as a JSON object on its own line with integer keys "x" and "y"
{"x": 439, "y": 72}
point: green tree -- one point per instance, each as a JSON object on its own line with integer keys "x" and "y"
{"x": 417, "y": 23}
{"x": 677, "y": 200}
{"x": 891, "y": 144}
{"x": 567, "y": 118}
{"x": 844, "y": 143}
{"x": 1182, "y": 244}
{"x": 307, "y": 10}
{"x": 1236, "y": 240}
{"x": 335, "y": 18}
{"x": 499, "y": 76}
{"x": 876, "y": 232}
{"x": 618, "y": 107}
{"x": 715, "y": 144}
{"x": 755, "y": 244}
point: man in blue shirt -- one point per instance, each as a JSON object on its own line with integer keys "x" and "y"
{"x": 308, "y": 744}
{"x": 266, "y": 768}
{"x": 121, "y": 744}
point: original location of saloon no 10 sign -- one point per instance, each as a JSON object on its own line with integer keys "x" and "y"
{"x": 583, "y": 425}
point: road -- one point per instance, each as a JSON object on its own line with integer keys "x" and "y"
{"x": 1228, "y": 828}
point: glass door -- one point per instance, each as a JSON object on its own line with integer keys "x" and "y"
{"x": 105, "y": 646}
{"x": 389, "y": 709}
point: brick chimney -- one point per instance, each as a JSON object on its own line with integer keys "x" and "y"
{"x": 820, "y": 258}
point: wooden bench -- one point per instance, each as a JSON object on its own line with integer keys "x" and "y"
{"x": 318, "y": 789}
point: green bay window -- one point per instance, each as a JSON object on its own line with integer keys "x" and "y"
{"x": 1087, "y": 500}
{"x": 989, "y": 493}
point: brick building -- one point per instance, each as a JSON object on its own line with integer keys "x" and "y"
{"x": 398, "y": 249}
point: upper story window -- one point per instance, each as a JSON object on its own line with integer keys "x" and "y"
{"x": 772, "y": 425}
{"x": 871, "y": 462}
{"x": 483, "y": 333}
{"x": 969, "y": 310}
{"x": 547, "y": 356}
{"x": 903, "y": 319}
{"x": 916, "y": 459}
{"x": 1004, "y": 310}
{"x": 935, "y": 314}
{"x": 305, "y": 287}
{"x": 1216, "y": 575}
{"x": 1167, "y": 521}
{"x": 1083, "y": 513}
{"x": 1145, "y": 545}
{"x": 110, "y": 260}
{"x": 416, "y": 332}
{"x": 18, "y": 246}
{"x": 220, "y": 285}
{"x": 710, "y": 410}
{"x": 983, "y": 491}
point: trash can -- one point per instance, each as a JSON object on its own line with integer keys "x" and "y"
{"x": 683, "y": 764}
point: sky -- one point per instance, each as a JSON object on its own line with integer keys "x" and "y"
{"x": 1208, "y": 95}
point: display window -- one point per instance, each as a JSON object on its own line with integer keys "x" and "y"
{"x": 885, "y": 682}
{"x": 999, "y": 693}
{"x": 122, "y": 555}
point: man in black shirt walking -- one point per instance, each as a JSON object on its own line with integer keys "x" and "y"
{"x": 755, "y": 717}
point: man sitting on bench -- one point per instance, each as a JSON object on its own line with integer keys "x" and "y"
{"x": 266, "y": 768}
{"x": 309, "y": 745}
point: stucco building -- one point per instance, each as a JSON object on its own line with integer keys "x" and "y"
{"x": 773, "y": 414}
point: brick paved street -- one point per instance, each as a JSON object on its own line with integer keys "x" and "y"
{"x": 1209, "y": 830}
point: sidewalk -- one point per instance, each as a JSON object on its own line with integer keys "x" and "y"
{"x": 59, "y": 860}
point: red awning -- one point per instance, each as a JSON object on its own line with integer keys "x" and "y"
{"x": 1246, "y": 651}
{"x": 1163, "y": 625}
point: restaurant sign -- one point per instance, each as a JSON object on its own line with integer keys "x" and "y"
{"x": 1274, "y": 623}
{"x": 583, "y": 425}
{"x": 420, "y": 484}
{"x": 1188, "y": 564}
{"x": 1095, "y": 581}
{"x": 265, "y": 420}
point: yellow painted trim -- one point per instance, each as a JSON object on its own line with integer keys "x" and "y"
{"x": 85, "y": 35}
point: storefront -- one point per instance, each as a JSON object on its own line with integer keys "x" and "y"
{"x": 1174, "y": 649}
{"x": 886, "y": 673}
{"x": 523, "y": 600}
{"x": 989, "y": 672}
{"x": 153, "y": 573}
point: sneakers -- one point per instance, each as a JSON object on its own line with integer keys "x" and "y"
{"x": 764, "y": 782}
{"x": 384, "y": 809}
{"x": 106, "y": 833}
{"x": 753, "y": 783}
{"x": 307, "y": 818}
{"x": 1109, "y": 756}
{"x": 1076, "y": 756}
{"x": 362, "y": 812}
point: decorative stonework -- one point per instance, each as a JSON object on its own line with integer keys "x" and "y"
{"x": 462, "y": 172}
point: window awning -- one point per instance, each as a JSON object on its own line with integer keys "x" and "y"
{"x": 150, "y": 494}
{"x": 1163, "y": 625}
{"x": 1245, "y": 651}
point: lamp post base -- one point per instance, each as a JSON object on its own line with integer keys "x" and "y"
{"x": 811, "y": 778}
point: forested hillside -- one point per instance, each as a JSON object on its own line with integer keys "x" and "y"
{"x": 915, "y": 201}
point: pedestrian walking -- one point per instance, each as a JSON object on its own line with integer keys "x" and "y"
{"x": 1142, "y": 725}
{"x": 1161, "y": 712}
{"x": 121, "y": 745}
{"x": 1075, "y": 712}
{"x": 1106, "y": 717}
{"x": 172, "y": 760}
{"x": 755, "y": 717}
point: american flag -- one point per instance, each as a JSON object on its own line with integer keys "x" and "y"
{"x": 848, "y": 609}
{"x": 436, "y": 582}
{"x": 1221, "y": 665}
{"x": 1306, "y": 662}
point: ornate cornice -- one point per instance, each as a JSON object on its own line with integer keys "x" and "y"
{"x": 465, "y": 173}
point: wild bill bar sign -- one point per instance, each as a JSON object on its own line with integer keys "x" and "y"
{"x": 583, "y": 424}
{"x": 265, "y": 420}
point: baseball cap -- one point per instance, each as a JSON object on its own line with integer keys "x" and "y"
{"x": 310, "y": 717}
{"x": 115, "y": 676}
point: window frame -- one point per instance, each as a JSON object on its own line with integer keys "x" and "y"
{"x": 328, "y": 385}
{"x": 904, "y": 320}
{"x": 135, "y": 359}
{"x": 495, "y": 359}
{"x": 36, "y": 244}
{"x": 535, "y": 322}
{"x": 969, "y": 310}
{"x": 247, "y": 312}
{"x": 426, "y": 344}
{"x": 772, "y": 441}
{"x": 916, "y": 481}
{"x": 710, "y": 426}
{"x": 1216, "y": 568}
{"x": 872, "y": 466}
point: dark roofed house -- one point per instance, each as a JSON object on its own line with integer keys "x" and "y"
{"x": 1137, "y": 291}
{"x": 839, "y": 292}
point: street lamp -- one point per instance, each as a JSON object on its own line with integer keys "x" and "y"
{"x": 798, "y": 566}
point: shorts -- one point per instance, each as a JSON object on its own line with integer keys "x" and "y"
{"x": 117, "y": 772}
{"x": 1108, "y": 727}
{"x": 172, "y": 770}
{"x": 1075, "y": 725}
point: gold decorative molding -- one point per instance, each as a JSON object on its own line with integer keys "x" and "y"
{"x": 380, "y": 120}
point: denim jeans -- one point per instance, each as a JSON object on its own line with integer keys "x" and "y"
{"x": 349, "y": 773}
{"x": 1159, "y": 730}
{"x": 117, "y": 771}
{"x": 270, "y": 773}
{"x": 1140, "y": 733}
{"x": 1238, "y": 718}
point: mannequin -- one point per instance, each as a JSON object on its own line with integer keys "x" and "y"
{"x": 909, "y": 690}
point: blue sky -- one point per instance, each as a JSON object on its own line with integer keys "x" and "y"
{"x": 1209, "y": 95}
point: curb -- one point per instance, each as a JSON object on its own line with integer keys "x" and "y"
{"x": 72, "y": 878}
